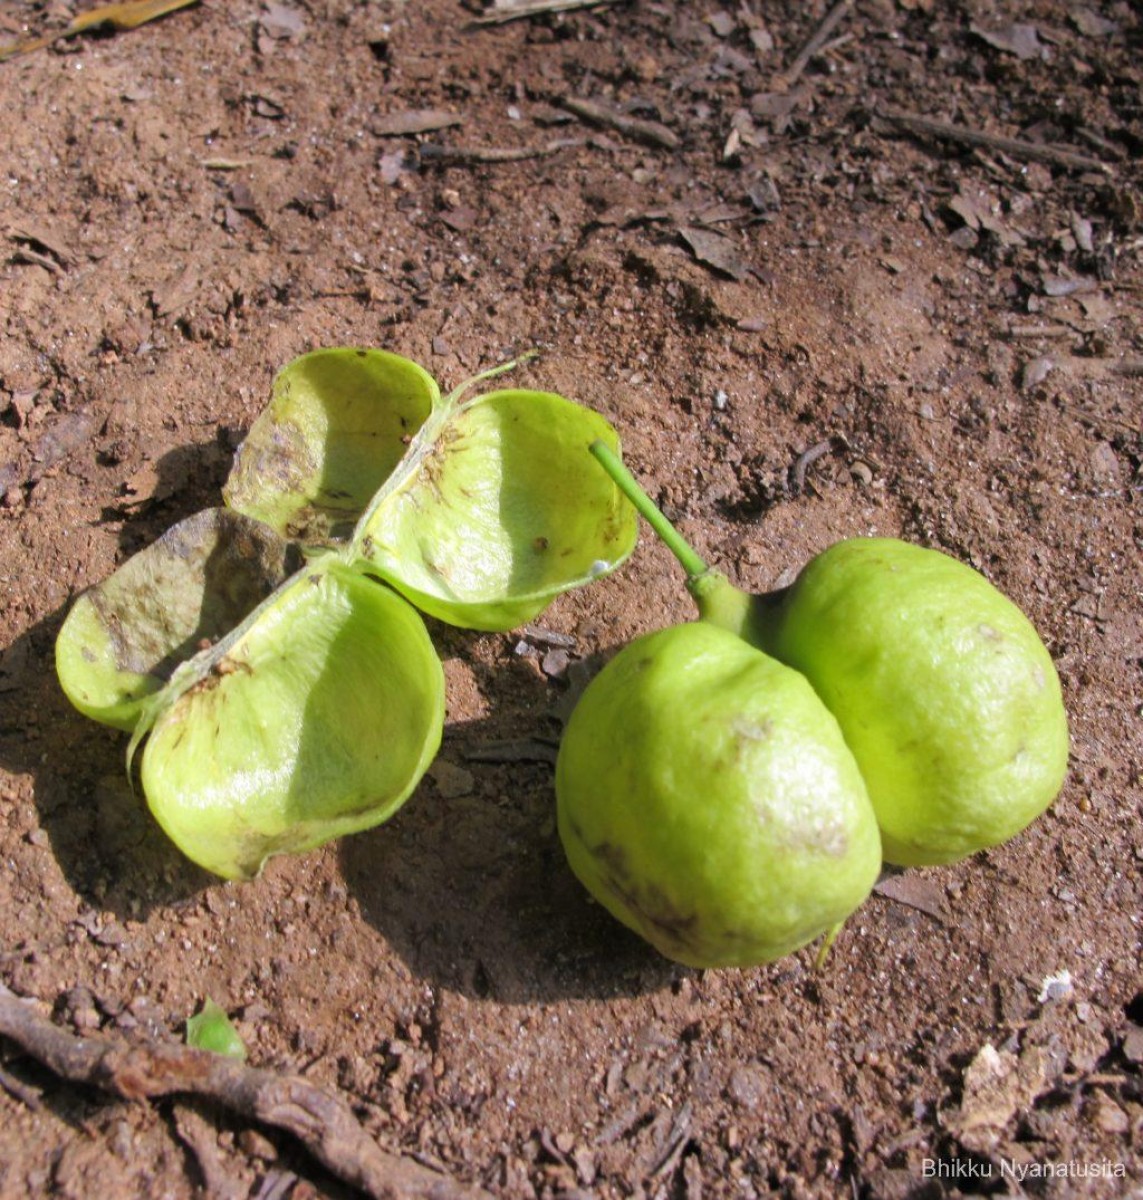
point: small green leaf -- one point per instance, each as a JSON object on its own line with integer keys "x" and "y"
{"x": 211, "y": 1029}
{"x": 502, "y": 513}
{"x": 338, "y": 422}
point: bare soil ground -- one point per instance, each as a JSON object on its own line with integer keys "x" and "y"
{"x": 808, "y": 318}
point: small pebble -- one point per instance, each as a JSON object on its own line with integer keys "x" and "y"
{"x": 452, "y": 781}
{"x": 554, "y": 663}
{"x": 1133, "y": 1044}
{"x": 1035, "y": 372}
{"x": 1110, "y": 1117}
{"x": 1056, "y": 987}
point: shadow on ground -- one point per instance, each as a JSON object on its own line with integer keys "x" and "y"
{"x": 475, "y": 895}
{"x": 99, "y": 832}
{"x": 469, "y": 883}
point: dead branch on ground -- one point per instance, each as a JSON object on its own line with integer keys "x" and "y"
{"x": 926, "y": 128}
{"x": 817, "y": 43}
{"x": 651, "y": 133}
{"x": 321, "y": 1121}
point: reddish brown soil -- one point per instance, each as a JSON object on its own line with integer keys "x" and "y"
{"x": 188, "y": 206}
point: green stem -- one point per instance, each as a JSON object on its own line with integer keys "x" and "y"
{"x": 668, "y": 534}
{"x": 827, "y": 944}
{"x": 719, "y": 602}
{"x": 454, "y": 396}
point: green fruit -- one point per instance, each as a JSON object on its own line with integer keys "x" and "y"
{"x": 124, "y": 637}
{"x": 940, "y": 685}
{"x": 707, "y": 799}
{"x": 338, "y": 423}
{"x": 498, "y": 511}
{"x": 315, "y": 719}
{"x": 942, "y": 688}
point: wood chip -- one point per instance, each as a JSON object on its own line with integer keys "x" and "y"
{"x": 997, "y": 1086}
{"x": 452, "y": 781}
{"x": 715, "y": 251}
{"x": 281, "y": 22}
{"x": 414, "y": 120}
{"x": 915, "y": 891}
{"x": 1034, "y": 372}
{"x": 1092, "y": 24}
{"x": 68, "y": 434}
{"x": 1133, "y": 1044}
{"x": 472, "y": 155}
{"x": 549, "y": 637}
{"x": 176, "y": 294}
{"x": 1021, "y": 40}
{"x": 42, "y": 239}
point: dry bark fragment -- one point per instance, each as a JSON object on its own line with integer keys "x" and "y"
{"x": 649, "y": 132}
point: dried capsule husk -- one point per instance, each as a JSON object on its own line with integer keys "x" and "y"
{"x": 338, "y": 422}
{"x": 123, "y": 638}
{"x": 501, "y": 512}
{"x": 315, "y": 720}
{"x": 946, "y": 695}
{"x": 707, "y": 799}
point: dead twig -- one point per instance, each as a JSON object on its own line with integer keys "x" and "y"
{"x": 807, "y": 458}
{"x": 1041, "y": 331}
{"x": 674, "y": 1145}
{"x": 322, "y": 1122}
{"x": 514, "y": 750}
{"x": 651, "y": 133}
{"x": 926, "y": 127}
{"x": 816, "y": 43}
{"x": 493, "y": 154}
{"x": 31, "y": 258}
{"x": 502, "y": 14}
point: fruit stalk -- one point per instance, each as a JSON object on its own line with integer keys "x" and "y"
{"x": 719, "y": 602}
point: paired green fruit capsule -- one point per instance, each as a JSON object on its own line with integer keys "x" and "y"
{"x": 729, "y": 788}
{"x": 271, "y": 652}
